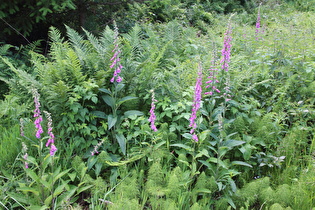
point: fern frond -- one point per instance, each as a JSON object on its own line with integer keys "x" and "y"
{"x": 74, "y": 68}
{"x": 56, "y": 96}
{"x": 75, "y": 38}
{"x": 58, "y": 45}
{"x": 98, "y": 47}
{"x": 82, "y": 47}
{"x": 173, "y": 31}
{"x": 55, "y": 35}
{"x": 24, "y": 77}
{"x": 4, "y": 49}
{"x": 133, "y": 38}
{"x": 107, "y": 39}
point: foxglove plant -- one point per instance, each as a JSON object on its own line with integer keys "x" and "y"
{"x": 116, "y": 59}
{"x": 152, "y": 114}
{"x": 196, "y": 104}
{"x": 114, "y": 100}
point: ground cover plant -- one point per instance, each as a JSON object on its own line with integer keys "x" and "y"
{"x": 165, "y": 116}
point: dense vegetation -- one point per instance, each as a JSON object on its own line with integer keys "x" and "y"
{"x": 181, "y": 106}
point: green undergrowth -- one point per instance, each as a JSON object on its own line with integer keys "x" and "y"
{"x": 254, "y": 151}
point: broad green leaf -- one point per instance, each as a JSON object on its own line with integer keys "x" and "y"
{"x": 111, "y": 121}
{"x": 81, "y": 189}
{"x": 133, "y": 112}
{"x": 46, "y": 184}
{"x": 232, "y": 184}
{"x": 94, "y": 99}
{"x": 247, "y": 151}
{"x": 241, "y": 163}
{"x": 213, "y": 149}
{"x": 204, "y": 134}
{"x": 204, "y": 152}
{"x": 220, "y": 185}
{"x": 217, "y": 161}
{"x": 110, "y": 101}
{"x": 184, "y": 162}
{"x": 57, "y": 192}
{"x": 60, "y": 189}
{"x": 187, "y": 136}
{"x": 18, "y": 197}
{"x": 61, "y": 174}
{"x": 124, "y": 99}
{"x": 182, "y": 146}
{"x": 104, "y": 90}
{"x": 98, "y": 168}
{"x": 32, "y": 159}
{"x": 222, "y": 151}
{"x": 193, "y": 168}
{"x": 205, "y": 163}
{"x": 233, "y": 143}
{"x": 32, "y": 174}
{"x": 99, "y": 114}
{"x": 29, "y": 189}
{"x": 83, "y": 172}
{"x": 46, "y": 161}
{"x": 72, "y": 175}
{"x": 57, "y": 171}
{"x": 230, "y": 201}
{"x": 156, "y": 146}
{"x": 65, "y": 196}
{"x": 122, "y": 142}
{"x": 203, "y": 190}
{"x": 34, "y": 207}
{"x": 119, "y": 87}
{"x": 91, "y": 162}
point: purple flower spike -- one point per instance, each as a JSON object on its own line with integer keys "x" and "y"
{"x": 258, "y": 27}
{"x": 196, "y": 103}
{"x": 96, "y": 147}
{"x": 195, "y": 137}
{"x": 51, "y": 140}
{"x": 213, "y": 71}
{"x": 37, "y": 114}
{"x": 226, "y": 53}
{"x": 152, "y": 114}
{"x": 53, "y": 150}
{"x": 115, "y": 59}
{"x": 25, "y": 156}
{"x": 226, "y": 50}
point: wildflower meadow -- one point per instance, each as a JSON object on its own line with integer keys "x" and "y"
{"x": 189, "y": 108}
